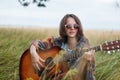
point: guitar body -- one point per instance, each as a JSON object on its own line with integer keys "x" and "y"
{"x": 26, "y": 69}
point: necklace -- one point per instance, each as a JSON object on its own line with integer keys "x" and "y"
{"x": 70, "y": 50}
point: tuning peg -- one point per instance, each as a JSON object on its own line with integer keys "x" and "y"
{"x": 111, "y": 42}
{"x": 106, "y": 42}
{"x": 113, "y": 51}
{"x": 108, "y": 52}
{"x": 118, "y": 46}
{"x": 118, "y": 50}
{"x": 116, "y": 41}
{"x": 112, "y": 47}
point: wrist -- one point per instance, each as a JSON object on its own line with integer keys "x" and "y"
{"x": 33, "y": 50}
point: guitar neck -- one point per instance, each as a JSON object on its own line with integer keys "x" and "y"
{"x": 75, "y": 54}
{"x": 107, "y": 46}
{"x": 97, "y": 48}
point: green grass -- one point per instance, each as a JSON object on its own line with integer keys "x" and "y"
{"x": 14, "y": 41}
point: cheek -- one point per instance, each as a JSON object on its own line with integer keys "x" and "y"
{"x": 66, "y": 30}
{"x": 76, "y": 31}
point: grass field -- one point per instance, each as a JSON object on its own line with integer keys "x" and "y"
{"x": 14, "y": 41}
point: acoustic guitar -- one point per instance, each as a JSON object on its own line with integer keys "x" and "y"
{"x": 52, "y": 64}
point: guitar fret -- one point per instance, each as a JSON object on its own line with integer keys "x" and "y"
{"x": 75, "y": 54}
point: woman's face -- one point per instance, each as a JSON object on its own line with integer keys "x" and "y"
{"x": 71, "y": 27}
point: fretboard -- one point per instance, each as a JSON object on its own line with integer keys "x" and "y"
{"x": 76, "y": 54}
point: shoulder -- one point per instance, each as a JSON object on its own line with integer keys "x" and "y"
{"x": 84, "y": 39}
{"x": 58, "y": 41}
{"x": 84, "y": 42}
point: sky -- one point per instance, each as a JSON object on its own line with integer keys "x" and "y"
{"x": 94, "y": 14}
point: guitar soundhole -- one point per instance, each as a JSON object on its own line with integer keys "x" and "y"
{"x": 49, "y": 65}
{"x": 49, "y": 62}
{"x": 41, "y": 70}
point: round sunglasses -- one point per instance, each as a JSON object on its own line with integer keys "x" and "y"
{"x": 69, "y": 26}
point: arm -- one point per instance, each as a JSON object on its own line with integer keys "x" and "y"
{"x": 40, "y": 45}
{"x": 87, "y": 62}
{"x": 35, "y": 58}
{"x": 90, "y": 66}
{"x": 87, "y": 46}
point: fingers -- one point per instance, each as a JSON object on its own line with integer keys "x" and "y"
{"x": 40, "y": 63}
{"x": 37, "y": 65}
{"x": 91, "y": 52}
{"x": 41, "y": 59}
{"x": 89, "y": 55}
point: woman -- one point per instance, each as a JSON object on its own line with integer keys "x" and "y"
{"x": 71, "y": 39}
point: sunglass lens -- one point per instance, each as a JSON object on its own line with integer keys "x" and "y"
{"x": 68, "y": 26}
{"x": 76, "y": 26}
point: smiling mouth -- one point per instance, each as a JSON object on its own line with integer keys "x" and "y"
{"x": 71, "y": 32}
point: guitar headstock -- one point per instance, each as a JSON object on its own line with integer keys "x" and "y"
{"x": 111, "y": 46}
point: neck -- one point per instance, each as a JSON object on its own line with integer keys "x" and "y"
{"x": 72, "y": 42}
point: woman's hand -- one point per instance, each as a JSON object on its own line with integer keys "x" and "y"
{"x": 37, "y": 61}
{"x": 89, "y": 55}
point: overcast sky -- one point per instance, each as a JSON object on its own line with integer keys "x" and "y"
{"x": 94, "y": 14}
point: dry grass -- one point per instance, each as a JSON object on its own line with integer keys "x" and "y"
{"x": 14, "y": 41}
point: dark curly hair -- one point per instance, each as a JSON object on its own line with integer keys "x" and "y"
{"x": 62, "y": 32}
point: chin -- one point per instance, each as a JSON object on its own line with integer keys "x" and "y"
{"x": 72, "y": 36}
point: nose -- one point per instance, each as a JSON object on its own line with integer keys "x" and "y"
{"x": 72, "y": 26}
